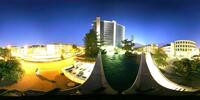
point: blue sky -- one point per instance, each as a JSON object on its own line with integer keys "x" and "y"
{"x": 46, "y": 21}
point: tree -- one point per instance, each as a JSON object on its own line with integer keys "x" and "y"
{"x": 62, "y": 54}
{"x": 5, "y": 53}
{"x": 183, "y": 67}
{"x": 160, "y": 57}
{"x": 75, "y": 48}
{"x": 91, "y": 44}
{"x": 128, "y": 46}
{"x": 10, "y": 70}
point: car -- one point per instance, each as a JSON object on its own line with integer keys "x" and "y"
{"x": 80, "y": 73}
{"x": 83, "y": 77}
{"x": 70, "y": 70}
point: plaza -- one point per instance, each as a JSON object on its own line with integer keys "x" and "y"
{"x": 49, "y": 76}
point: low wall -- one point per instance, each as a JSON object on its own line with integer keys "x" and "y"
{"x": 72, "y": 77}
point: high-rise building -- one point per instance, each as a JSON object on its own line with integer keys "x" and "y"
{"x": 109, "y": 32}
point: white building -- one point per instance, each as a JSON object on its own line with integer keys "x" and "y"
{"x": 110, "y": 32}
{"x": 42, "y": 51}
{"x": 147, "y": 48}
{"x": 181, "y": 49}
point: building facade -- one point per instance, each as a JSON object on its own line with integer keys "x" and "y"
{"x": 109, "y": 32}
{"x": 147, "y": 48}
{"x": 181, "y": 49}
{"x": 54, "y": 50}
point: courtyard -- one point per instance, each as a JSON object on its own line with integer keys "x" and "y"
{"x": 48, "y": 79}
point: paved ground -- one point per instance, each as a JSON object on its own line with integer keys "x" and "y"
{"x": 50, "y": 76}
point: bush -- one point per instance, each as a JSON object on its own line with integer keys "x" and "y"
{"x": 103, "y": 51}
{"x": 185, "y": 67}
{"x": 10, "y": 70}
{"x": 160, "y": 57}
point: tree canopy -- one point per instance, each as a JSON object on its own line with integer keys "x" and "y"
{"x": 91, "y": 44}
{"x": 160, "y": 57}
{"x": 10, "y": 68}
{"x": 128, "y": 46}
{"x": 76, "y": 48}
{"x": 5, "y": 53}
{"x": 185, "y": 67}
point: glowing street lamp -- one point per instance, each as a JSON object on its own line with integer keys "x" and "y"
{"x": 8, "y": 46}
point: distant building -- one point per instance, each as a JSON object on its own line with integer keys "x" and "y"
{"x": 58, "y": 48}
{"x": 181, "y": 49}
{"x": 41, "y": 51}
{"x": 147, "y": 48}
{"x": 110, "y": 32}
{"x": 169, "y": 49}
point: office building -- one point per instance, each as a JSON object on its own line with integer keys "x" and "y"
{"x": 110, "y": 32}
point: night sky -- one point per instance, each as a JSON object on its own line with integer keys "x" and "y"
{"x": 48, "y": 21}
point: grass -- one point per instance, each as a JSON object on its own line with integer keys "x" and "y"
{"x": 120, "y": 70}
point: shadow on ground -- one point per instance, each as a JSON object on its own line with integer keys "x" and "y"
{"x": 6, "y": 83}
{"x": 46, "y": 79}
